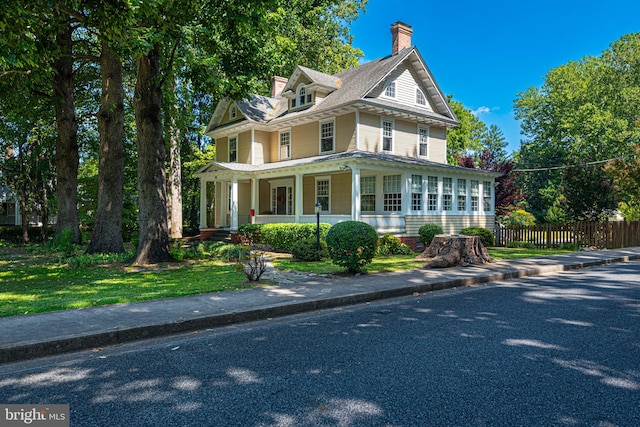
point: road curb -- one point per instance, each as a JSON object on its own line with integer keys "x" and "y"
{"x": 19, "y": 352}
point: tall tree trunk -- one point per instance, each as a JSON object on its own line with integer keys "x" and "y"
{"x": 174, "y": 185}
{"x": 152, "y": 196}
{"x": 107, "y": 231}
{"x": 44, "y": 212}
{"x": 67, "y": 157}
{"x": 24, "y": 212}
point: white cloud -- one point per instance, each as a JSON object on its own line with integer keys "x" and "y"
{"x": 481, "y": 110}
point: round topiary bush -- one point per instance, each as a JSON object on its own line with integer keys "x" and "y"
{"x": 428, "y": 231}
{"x": 307, "y": 250}
{"x": 352, "y": 244}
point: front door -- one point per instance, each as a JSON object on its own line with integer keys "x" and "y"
{"x": 281, "y": 201}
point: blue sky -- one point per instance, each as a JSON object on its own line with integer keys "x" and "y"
{"x": 485, "y": 52}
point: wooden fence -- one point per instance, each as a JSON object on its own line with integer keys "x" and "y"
{"x": 614, "y": 234}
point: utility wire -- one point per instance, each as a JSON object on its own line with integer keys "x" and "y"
{"x": 564, "y": 166}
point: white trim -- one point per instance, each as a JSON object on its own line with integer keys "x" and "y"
{"x": 253, "y": 146}
{"x": 355, "y": 193}
{"x": 233, "y": 109}
{"x": 357, "y": 129}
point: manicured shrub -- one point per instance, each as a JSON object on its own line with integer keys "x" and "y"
{"x": 352, "y": 244}
{"x": 486, "y": 236}
{"x": 307, "y": 250}
{"x": 281, "y": 236}
{"x": 391, "y": 245}
{"x": 428, "y": 231}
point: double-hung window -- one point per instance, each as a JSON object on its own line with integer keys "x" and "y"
{"x": 233, "y": 149}
{"x": 475, "y": 195}
{"x": 432, "y": 193}
{"x": 233, "y": 112}
{"x": 387, "y": 135}
{"x": 423, "y": 142}
{"x": 462, "y": 194}
{"x": 327, "y": 137}
{"x": 368, "y": 193}
{"x": 486, "y": 192}
{"x": 392, "y": 193}
{"x": 447, "y": 194}
{"x": 416, "y": 192}
{"x": 323, "y": 193}
{"x": 285, "y": 145}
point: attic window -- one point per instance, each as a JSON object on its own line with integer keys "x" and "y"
{"x": 420, "y": 98}
{"x": 233, "y": 112}
{"x": 302, "y": 97}
{"x": 390, "y": 90}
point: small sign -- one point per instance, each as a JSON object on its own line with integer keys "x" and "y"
{"x": 34, "y": 415}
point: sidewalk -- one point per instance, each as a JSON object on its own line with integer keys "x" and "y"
{"x": 39, "y": 335}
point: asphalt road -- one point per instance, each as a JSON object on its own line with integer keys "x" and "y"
{"x": 557, "y": 350}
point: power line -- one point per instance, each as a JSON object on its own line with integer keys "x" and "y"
{"x": 564, "y": 166}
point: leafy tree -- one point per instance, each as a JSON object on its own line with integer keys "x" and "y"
{"x": 507, "y": 193}
{"x": 585, "y": 109}
{"x": 467, "y": 136}
{"x": 588, "y": 192}
{"x": 495, "y": 144}
{"x": 625, "y": 172}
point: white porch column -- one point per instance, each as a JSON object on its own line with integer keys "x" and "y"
{"x": 297, "y": 210}
{"x": 406, "y": 194}
{"x": 203, "y": 203}
{"x": 255, "y": 199}
{"x": 234, "y": 203}
{"x": 355, "y": 193}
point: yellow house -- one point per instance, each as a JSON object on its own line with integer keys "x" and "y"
{"x": 367, "y": 144}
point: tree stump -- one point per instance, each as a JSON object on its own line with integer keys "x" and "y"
{"x": 453, "y": 250}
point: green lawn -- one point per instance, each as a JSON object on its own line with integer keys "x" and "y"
{"x": 33, "y": 283}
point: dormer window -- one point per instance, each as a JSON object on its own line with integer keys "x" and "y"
{"x": 302, "y": 97}
{"x": 420, "y": 98}
{"x": 233, "y": 112}
{"x": 390, "y": 90}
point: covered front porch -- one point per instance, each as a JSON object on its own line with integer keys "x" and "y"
{"x": 233, "y": 194}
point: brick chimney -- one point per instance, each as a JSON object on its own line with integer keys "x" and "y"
{"x": 277, "y": 84}
{"x": 400, "y": 36}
